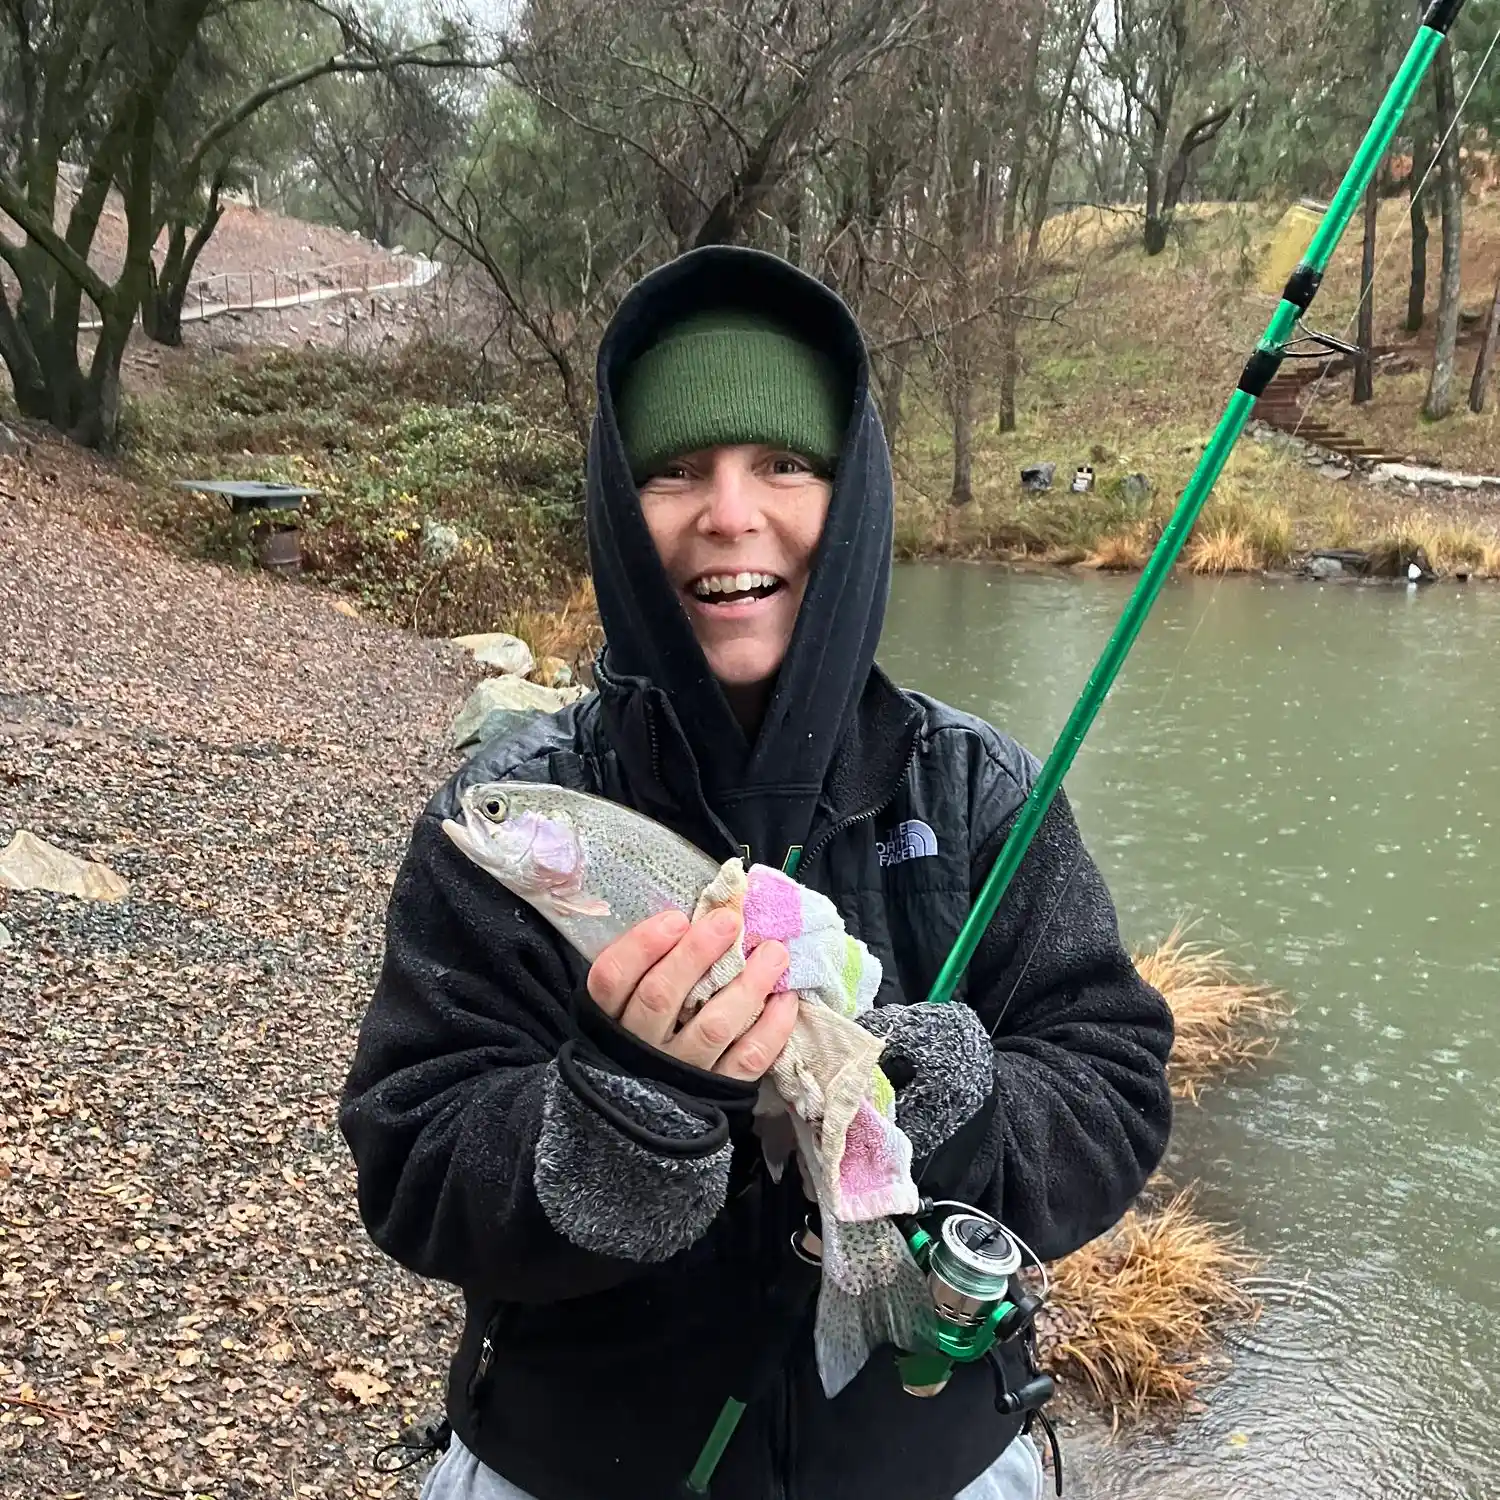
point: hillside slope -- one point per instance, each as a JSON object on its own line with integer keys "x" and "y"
{"x": 1133, "y": 362}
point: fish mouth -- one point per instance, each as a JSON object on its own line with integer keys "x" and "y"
{"x": 461, "y": 836}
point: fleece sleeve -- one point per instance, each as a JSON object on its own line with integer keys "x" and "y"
{"x": 1081, "y": 1109}
{"x": 500, "y": 1145}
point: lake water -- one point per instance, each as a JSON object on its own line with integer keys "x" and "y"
{"x": 1313, "y": 773}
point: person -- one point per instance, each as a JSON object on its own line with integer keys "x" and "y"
{"x": 553, "y": 1140}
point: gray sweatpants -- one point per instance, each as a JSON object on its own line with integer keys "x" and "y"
{"x": 458, "y": 1475}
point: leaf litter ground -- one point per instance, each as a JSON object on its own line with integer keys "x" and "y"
{"x": 189, "y": 1305}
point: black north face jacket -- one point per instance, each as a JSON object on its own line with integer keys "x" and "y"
{"x": 623, "y": 1255}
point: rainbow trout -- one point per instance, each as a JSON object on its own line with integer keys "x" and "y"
{"x": 594, "y": 870}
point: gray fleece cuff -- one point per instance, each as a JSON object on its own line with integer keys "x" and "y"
{"x": 623, "y": 1168}
{"x": 950, "y": 1059}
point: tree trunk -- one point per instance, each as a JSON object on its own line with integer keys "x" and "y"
{"x": 1010, "y": 364}
{"x": 963, "y": 421}
{"x": 1364, "y": 369}
{"x": 895, "y": 382}
{"x": 1439, "y": 402}
{"x": 167, "y": 289}
{"x": 1485, "y": 364}
{"x": 1154, "y": 170}
{"x": 1416, "y": 296}
{"x": 794, "y": 221}
{"x": 96, "y": 415}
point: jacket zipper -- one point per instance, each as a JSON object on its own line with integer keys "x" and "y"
{"x": 480, "y": 1377}
{"x": 867, "y": 816}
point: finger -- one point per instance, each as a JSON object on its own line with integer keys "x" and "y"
{"x": 753, "y": 1056}
{"x": 651, "y": 1012}
{"x": 732, "y": 1012}
{"x": 621, "y": 966}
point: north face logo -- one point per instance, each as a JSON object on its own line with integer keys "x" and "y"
{"x": 910, "y": 840}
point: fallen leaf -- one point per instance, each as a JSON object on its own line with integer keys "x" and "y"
{"x": 366, "y": 1389}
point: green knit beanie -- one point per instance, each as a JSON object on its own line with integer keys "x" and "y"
{"x": 729, "y": 376}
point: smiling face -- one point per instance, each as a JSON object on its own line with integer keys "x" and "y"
{"x": 736, "y": 528}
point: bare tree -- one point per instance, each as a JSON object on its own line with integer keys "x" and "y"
{"x": 1439, "y": 401}
{"x": 513, "y": 211}
{"x": 1484, "y": 365}
{"x": 1180, "y": 72}
{"x": 714, "y": 108}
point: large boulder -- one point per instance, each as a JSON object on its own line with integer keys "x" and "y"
{"x": 29, "y": 863}
{"x": 506, "y": 653}
{"x": 479, "y": 720}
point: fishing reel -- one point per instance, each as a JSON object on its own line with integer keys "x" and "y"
{"x": 979, "y": 1302}
{"x": 972, "y": 1264}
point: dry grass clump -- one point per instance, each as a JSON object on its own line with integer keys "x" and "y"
{"x": 1222, "y": 550}
{"x": 1133, "y": 1310}
{"x": 1222, "y": 1018}
{"x": 1120, "y": 552}
{"x": 571, "y": 631}
{"x": 1449, "y": 547}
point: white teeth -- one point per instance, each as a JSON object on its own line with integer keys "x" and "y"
{"x": 732, "y": 583}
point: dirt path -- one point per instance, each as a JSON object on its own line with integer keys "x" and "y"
{"x": 188, "y": 1303}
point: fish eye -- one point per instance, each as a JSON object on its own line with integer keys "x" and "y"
{"x": 494, "y": 808}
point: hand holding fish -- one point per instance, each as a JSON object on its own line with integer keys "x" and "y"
{"x": 643, "y": 979}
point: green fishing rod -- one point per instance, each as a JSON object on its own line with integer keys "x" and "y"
{"x": 1275, "y": 345}
{"x": 969, "y": 1338}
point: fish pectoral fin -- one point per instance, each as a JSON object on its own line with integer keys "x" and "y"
{"x": 580, "y": 905}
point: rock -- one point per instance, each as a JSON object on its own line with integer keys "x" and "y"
{"x": 1038, "y": 476}
{"x": 1325, "y": 567}
{"x": 513, "y": 694}
{"x": 1135, "y": 488}
{"x": 506, "y": 653}
{"x": 9, "y": 442}
{"x": 553, "y": 672}
{"x": 6, "y": 940}
{"x": 1418, "y": 474}
{"x": 495, "y": 725}
{"x": 31, "y": 864}
{"x": 347, "y": 607}
{"x": 1334, "y": 471}
{"x": 439, "y": 542}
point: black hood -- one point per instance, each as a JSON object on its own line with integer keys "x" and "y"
{"x": 763, "y": 791}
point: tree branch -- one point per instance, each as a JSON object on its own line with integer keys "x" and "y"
{"x": 14, "y": 203}
{"x": 340, "y": 63}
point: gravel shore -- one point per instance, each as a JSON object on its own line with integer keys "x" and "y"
{"x": 188, "y": 1303}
